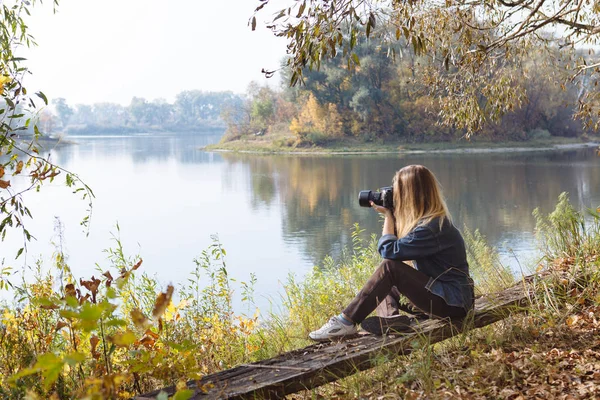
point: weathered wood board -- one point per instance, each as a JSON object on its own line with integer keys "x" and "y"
{"x": 321, "y": 363}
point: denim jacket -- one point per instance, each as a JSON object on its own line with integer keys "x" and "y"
{"x": 438, "y": 253}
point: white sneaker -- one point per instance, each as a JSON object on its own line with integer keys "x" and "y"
{"x": 334, "y": 328}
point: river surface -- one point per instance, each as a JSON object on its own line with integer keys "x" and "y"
{"x": 275, "y": 214}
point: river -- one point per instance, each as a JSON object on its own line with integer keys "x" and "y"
{"x": 274, "y": 214}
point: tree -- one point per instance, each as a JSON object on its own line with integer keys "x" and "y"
{"x": 64, "y": 111}
{"x": 21, "y": 157}
{"x": 262, "y": 107}
{"x": 110, "y": 114}
{"x": 470, "y": 49}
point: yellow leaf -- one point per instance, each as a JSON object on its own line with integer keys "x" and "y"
{"x": 181, "y": 385}
{"x": 183, "y": 394}
{"x": 3, "y": 81}
{"x": 19, "y": 168}
{"x": 122, "y": 339}
{"x": 572, "y": 320}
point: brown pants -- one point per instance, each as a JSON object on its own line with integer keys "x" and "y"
{"x": 383, "y": 288}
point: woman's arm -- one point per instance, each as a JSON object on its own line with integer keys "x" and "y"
{"x": 389, "y": 224}
{"x": 420, "y": 242}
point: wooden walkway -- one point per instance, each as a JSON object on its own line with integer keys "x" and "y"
{"x": 321, "y": 363}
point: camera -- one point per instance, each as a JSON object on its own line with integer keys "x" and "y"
{"x": 384, "y": 197}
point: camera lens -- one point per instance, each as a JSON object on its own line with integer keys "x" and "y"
{"x": 364, "y": 196}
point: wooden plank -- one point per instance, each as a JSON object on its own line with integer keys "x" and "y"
{"x": 322, "y": 363}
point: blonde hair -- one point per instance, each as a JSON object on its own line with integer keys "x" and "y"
{"x": 418, "y": 199}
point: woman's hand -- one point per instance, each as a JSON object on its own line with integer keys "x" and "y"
{"x": 382, "y": 210}
{"x": 389, "y": 222}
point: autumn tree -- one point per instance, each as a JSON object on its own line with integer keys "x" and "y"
{"x": 471, "y": 48}
{"x": 22, "y": 168}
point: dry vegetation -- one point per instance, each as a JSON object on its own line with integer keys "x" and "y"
{"x": 121, "y": 335}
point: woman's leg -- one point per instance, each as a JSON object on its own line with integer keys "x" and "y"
{"x": 409, "y": 282}
{"x": 390, "y": 305}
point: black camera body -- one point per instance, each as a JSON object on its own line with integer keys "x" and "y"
{"x": 384, "y": 197}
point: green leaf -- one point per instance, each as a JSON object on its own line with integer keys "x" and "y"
{"x": 115, "y": 322}
{"x": 42, "y": 96}
{"x": 48, "y": 364}
{"x": 74, "y": 358}
{"x": 183, "y": 394}
{"x": 72, "y": 301}
{"x": 68, "y": 314}
{"x": 301, "y": 10}
{"x": 90, "y": 312}
{"x": 123, "y": 339}
{"x": 19, "y": 253}
{"x": 280, "y": 15}
{"x": 372, "y": 20}
{"x": 24, "y": 372}
{"x": 162, "y": 396}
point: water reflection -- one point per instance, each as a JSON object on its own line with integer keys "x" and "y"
{"x": 494, "y": 193}
{"x": 143, "y": 148}
{"x": 275, "y": 214}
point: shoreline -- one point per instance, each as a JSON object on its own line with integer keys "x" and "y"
{"x": 424, "y": 150}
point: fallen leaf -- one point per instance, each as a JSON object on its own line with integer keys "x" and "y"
{"x": 572, "y": 320}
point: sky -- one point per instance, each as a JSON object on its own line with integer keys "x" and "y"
{"x": 94, "y": 51}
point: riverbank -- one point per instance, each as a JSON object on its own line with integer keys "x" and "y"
{"x": 76, "y": 341}
{"x": 350, "y": 146}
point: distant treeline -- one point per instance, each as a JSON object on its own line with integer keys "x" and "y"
{"x": 192, "y": 110}
{"x": 385, "y": 99}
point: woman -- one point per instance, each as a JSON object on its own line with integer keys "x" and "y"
{"x": 419, "y": 229}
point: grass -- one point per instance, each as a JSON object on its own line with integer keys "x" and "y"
{"x": 129, "y": 337}
{"x": 285, "y": 143}
{"x": 552, "y": 351}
